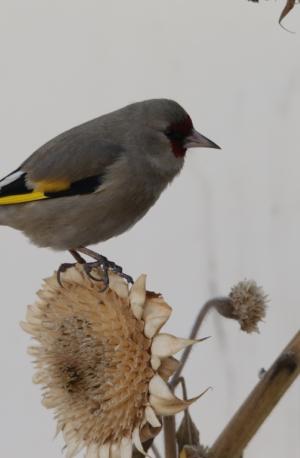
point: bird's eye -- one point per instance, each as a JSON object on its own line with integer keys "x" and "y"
{"x": 178, "y": 131}
{"x": 174, "y": 135}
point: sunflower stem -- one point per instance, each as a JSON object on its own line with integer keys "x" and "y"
{"x": 169, "y": 426}
{"x": 212, "y": 303}
{"x": 259, "y": 404}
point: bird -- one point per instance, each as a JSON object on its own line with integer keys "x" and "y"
{"x": 96, "y": 180}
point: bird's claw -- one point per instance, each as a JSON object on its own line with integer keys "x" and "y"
{"x": 101, "y": 262}
{"x": 105, "y": 266}
{"x": 89, "y": 266}
{"x": 62, "y": 268}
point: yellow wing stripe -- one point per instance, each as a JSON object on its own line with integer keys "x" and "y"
{"x": 51, "y": 186}
{"x": 21, "y": 198}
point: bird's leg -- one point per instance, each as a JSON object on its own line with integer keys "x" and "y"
{"x": 104, "y": 263}
{"x": 77, "y": 256}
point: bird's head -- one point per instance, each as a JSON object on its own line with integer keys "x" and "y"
{"x": 165, "y": 132}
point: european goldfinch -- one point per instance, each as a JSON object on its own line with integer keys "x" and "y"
{"x": 95, "y": 181}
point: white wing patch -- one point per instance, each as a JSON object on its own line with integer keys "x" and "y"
{"x": 10, "y": 178}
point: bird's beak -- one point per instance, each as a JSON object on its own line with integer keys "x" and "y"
{"x": 197, "y": 140}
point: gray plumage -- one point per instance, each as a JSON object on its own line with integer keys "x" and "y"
{"x": 131, "y": 155}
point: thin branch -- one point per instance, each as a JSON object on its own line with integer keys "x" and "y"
{"x": 169, "y": 426}
{"x": 181, "y": 380}
{"x": 259, "y": 404}
{"x": 212, "y": 303}
{"x": 187, "y": 418}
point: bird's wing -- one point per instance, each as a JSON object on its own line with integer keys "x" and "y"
{"x": 15, "y": 190}
{"x": 73, "y": 163}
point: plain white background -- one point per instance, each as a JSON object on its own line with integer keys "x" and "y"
{"x": 232, "y": 214}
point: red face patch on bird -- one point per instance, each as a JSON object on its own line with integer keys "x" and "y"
{"x": 177, "y": 132}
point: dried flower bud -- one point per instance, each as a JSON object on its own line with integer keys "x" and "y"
{"x": 99, "y": 356}
{"x": 246, "y": 303}
{"x": 187, "y": 433}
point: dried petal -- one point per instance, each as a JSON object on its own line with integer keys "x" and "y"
{"x": 151, "y": 417}
{"x": 73, "y": 448}
{"x": 156, "y": 314}
{"x": 126, "y": 448}
{"x": 155, "y": 362}
{"x": 164, "y": 345}
{"x": 104, "y": 451}
{"x": 158, "y": 387}
{"x": 167, "y": 367}
{"x": 164, "y": 406}
{"x": 115, "y": 451}
{"x": 93, "y": 451}
{"x": 74, "y": 276}
{"x": 137, "y": 441}
{"x": 163, "y": 400}
{"x": 118, "y": 285}
{"x": 137, "y": 296}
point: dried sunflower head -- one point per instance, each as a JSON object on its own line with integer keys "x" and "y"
{"x": 102, "y": 362}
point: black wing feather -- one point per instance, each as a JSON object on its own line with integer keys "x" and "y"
{"x": 17, "y": 186}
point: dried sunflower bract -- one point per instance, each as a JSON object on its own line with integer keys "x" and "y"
{"x": 102, "y": 362}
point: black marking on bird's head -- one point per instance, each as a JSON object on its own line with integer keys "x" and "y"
{"x": 177, "y": 132}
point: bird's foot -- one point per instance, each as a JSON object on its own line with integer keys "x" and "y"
{"x": 100, "y": 262}
{"x": 105, "y": 265}
{"x": 67, "y": 265}
{"x": 63, "y": 268}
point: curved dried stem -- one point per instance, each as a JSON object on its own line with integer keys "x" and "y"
{"x": 212, "y": 303}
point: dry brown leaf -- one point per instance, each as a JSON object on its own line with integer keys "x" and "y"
{"x": 288, "y": 7}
